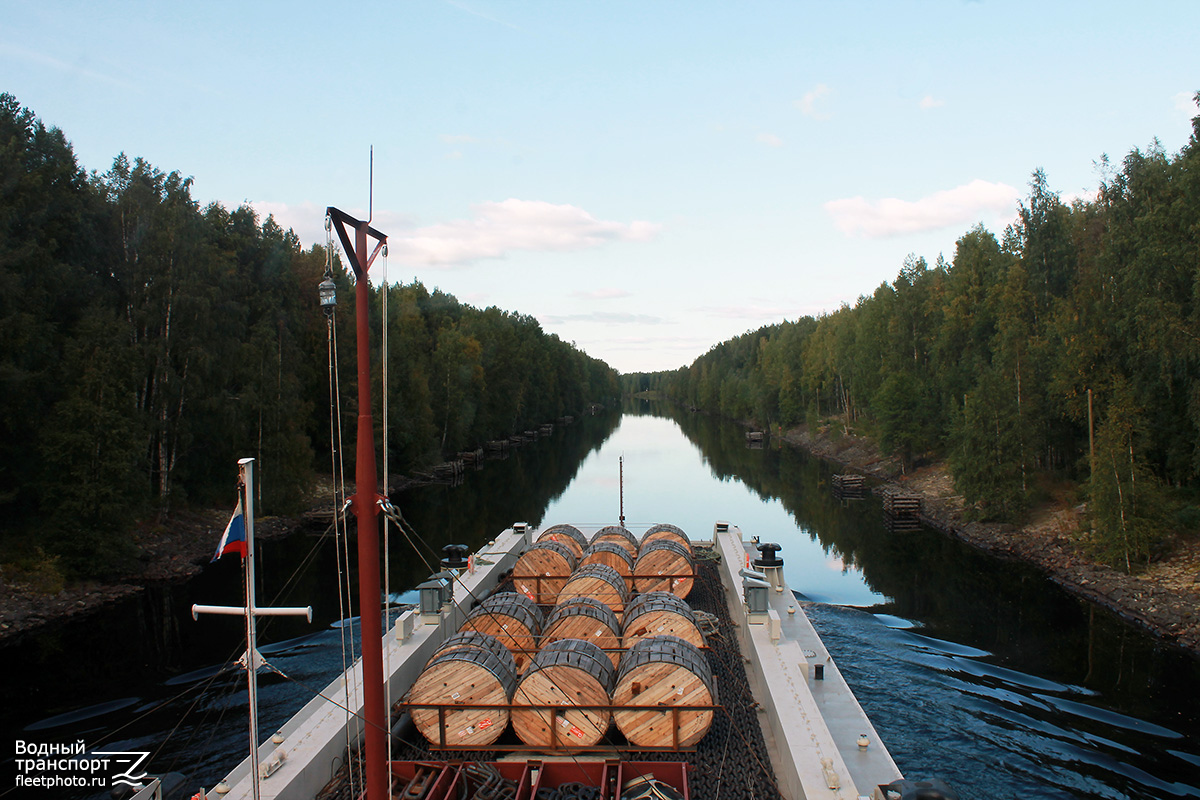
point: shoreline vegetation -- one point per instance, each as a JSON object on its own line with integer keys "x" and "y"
{"x": 1164, "y": 600}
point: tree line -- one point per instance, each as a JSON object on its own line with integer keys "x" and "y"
{"x": 1067, "y": 348}
{"x": 147, "y": 342}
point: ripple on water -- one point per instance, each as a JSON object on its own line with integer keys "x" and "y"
{"x": 82, "y": 715}
{"x": 943, "y": 709}
{"x": 1107, "y": 717}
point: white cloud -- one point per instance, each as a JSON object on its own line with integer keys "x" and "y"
{"x": 753, "y": 311}
{"x": 497, "y": 229}
{"x": 454, "y": 138}
{"x": 1186, "y": 102}
{"x": 601, "y": 294}
{"x": 461, "y": 6}
{"x": 43, "y": 60}
{"x": 929, "y": 101}
{"x": 891, "y": 216}
{"x": 770, "y": 139}
{"x": 651, "y": 344}
{"x": 604, "y": 317}
{"x": 808, "y": 103}
{"x": 308, "y": 220}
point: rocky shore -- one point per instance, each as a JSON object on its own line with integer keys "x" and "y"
{"x": 172, "y": 551}
{"x": 1164, "y": 599}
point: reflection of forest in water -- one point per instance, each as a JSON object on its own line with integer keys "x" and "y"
{"x": 948, "y": 588}
{"x": 517, "y": 488}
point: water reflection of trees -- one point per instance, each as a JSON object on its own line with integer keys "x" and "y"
{"x": 518, "y": 488}
{"x": 956, "y": 592}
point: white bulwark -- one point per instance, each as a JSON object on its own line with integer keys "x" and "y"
{"x": 821, "y": 743}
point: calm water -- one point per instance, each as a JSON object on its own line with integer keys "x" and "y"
{"x": 979, "y": 672}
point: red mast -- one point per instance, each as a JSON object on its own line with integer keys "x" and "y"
{"x": 366, "y": 508}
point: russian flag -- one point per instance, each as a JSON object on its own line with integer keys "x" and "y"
{"x": 234, "y": 538}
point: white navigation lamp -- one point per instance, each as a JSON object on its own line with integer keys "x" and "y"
{"x": 327, "y": 291}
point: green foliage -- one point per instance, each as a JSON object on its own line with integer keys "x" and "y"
{"x": 146, "y": 344}
{"x": 985, "y": 456}
{"x": 901, "y": 408}
{"x": 36, "y": 570}
{"x": 1128, "y": 504}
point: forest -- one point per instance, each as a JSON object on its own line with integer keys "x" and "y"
{"x": 1065, "y": 351}
{"x": 147, "y": 343}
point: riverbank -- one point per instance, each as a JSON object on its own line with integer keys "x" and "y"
{"x": 1164, "y": 599}
{"x": 168, "y": 552}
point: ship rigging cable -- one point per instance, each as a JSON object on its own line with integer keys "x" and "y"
{"x": 387, "y": 491}
{"x": 341, "y": 534}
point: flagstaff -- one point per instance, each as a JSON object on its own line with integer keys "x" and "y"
{"x": 239, "y": 538}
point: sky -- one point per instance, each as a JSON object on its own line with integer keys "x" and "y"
{"x": 646, "y": 178}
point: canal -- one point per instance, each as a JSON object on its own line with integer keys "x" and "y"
{"x": 980, "y": 672}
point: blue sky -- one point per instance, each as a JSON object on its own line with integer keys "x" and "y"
{"x": 646, "y": 178}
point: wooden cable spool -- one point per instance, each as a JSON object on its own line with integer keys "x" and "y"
{"x": 598, "y": 581}
{"x": 588, "y": 619}
{"x": 664, "y": 565}
{"x": 541, "y": 571}
{"x": 615, "y": 533}
{"x": 664, "y": 531}
{"x": 464, "y": 676}
{"x": 567, "y": 535}
{"x": 512, "y": 618}
{"x": 656, "y": 675}
{"x": 469, "y": 638}
{"x": 569, "y": 673}
{"x": 659, "y": 614}
{"x": 614, "y": 555}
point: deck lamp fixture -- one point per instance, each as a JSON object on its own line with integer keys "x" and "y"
{"x": 327, "y": 291}
{"x": 431, "y": 596}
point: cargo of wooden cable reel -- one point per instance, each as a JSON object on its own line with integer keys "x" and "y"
{"x": 664, "y": 694}
{"x": 600, "y": 582}
{"x": 464, "y": 676}
{"x": 514, "y": 619}
{"x": 659, "y": 614}
{"x": 619, "y": 535}
{"x": 575, "y": 678}
{"x": 469, "y": 639}
{"x": 664, "y": 565}
{"x": 541, "y": 571}
{"x": 612, "y": 554}
{"x": 588, "y": 619}
{"x": 567, "y": 535}
{"x": 662, "y": 530}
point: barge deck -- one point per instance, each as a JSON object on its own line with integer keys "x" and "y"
{"x": 788, "y": 726}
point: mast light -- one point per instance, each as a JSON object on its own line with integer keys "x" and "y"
{"x": 328, "y": 294}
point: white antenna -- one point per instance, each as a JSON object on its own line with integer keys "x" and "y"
{"x": 252, "y": 659}
{"x": 622, "y": 489}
